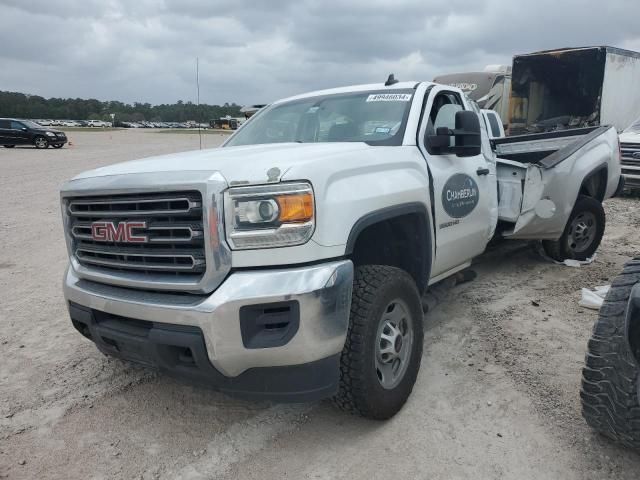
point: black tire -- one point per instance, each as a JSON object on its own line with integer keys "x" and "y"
{"x": 57, "y": 145}
{"x": 361, "y": 390}
{"x": 566, "y": 246}
{"x": 610, "y": 378}
{"x": 9, "y": 146}
{"x": 41, "y": 142}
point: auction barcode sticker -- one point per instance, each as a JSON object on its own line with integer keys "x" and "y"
{"x": 389, "y": 97}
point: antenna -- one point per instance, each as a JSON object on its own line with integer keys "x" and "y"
{"x": 390, "y": 81}
{"x": 198, "y": 99}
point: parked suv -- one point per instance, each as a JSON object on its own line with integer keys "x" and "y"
{"x": 25, "y": 132}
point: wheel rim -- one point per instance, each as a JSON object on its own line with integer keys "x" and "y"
{"x": 394, "y": 342}
{"x": 582, "y": 232}
{"x": 40, "y": 142}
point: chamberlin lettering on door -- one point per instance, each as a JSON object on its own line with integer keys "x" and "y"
{"x": 460, "y": 195}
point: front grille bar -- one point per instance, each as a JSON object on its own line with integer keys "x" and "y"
{"x": 90, "y": 208}
{"x": 146, "y": 261}
{"x": 118, "y": 264}
{"x": 175, "y": 233}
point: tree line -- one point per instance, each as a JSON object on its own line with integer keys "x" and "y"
{"x": 20, "y": 105}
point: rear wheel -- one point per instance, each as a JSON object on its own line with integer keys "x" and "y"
{"x": 583, "y": 233}
{"x": 9, "y": 146}
{"x": 383, "y": 350}
{"x": 611, "y": 377}
{"x": 40, "y": 142}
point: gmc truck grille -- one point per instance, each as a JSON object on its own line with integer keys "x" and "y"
{"x": 151, "y": 233}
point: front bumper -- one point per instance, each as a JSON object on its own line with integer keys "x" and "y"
{"x": 273, "y": 334}
{"x": 59, "y": 139}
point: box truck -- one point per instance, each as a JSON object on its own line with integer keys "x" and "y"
{"x": 573, "y": 88}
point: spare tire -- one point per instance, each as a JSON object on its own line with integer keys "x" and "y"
{"x": 611, "y": 376}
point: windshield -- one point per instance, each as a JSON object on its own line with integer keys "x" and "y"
{"x": 30, "y": 124}
{"x": 374, "y": 117}
{"x": 635, "y": 127}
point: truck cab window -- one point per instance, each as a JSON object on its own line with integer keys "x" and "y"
{"x": 495, "y": 127}
{"x": 443, "y": 113}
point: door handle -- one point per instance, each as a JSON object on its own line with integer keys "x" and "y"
{"x": 483, "y": 171}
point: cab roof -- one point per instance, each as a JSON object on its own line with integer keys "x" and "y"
{"x": 354, "y": 88}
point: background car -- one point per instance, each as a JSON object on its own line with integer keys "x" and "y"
{"x": 25, "y": 132}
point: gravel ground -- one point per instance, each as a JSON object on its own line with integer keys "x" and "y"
{"x": 497, "y": 395}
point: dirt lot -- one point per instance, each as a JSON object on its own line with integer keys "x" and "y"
{"x": 497, "y": 396}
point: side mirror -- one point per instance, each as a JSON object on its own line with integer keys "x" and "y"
{"x": 24, "y": 129}
{"x": 442, "y": 138}
{"x": 467, "y": 134}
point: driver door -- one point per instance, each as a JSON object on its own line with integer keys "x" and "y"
{"x": 461, "y": 187}
{"x": 19, "y": 133}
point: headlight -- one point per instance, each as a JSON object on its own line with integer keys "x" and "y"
{"x": 266, "y": 216}
{"x": 50, "y": 134}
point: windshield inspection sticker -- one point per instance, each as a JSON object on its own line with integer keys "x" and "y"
{"x": 460, "y": 195}
{"x": 389, "y": 97}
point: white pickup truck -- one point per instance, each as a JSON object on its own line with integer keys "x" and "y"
{"x": 290, "y": 263}
{"x": 630, "y": 146}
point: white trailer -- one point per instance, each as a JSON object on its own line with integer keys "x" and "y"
{"x": 490, "y": 89}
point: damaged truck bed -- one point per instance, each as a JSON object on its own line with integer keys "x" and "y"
{"x": 535, "y": 194}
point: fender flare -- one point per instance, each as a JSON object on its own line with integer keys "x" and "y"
{"x": 602, "y": 189}
{"x": 395, "y": 211}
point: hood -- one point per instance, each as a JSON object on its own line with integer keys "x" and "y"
{"x": 238, "y": 165}
{"x": 630, "y": 137}
{"x": 46, "y": 129}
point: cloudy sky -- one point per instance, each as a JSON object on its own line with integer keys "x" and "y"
{"x": 257, "y": 51}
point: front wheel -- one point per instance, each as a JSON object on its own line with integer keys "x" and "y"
{"x": 381, "y": 357}
{"x": 582, "y": 234}
{"x": 40, "y": 142}
{"x": 9, "y": 146}
{"x": 58, "y": 145}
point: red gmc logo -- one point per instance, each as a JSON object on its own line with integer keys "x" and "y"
{"x": 121, "y": 232}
